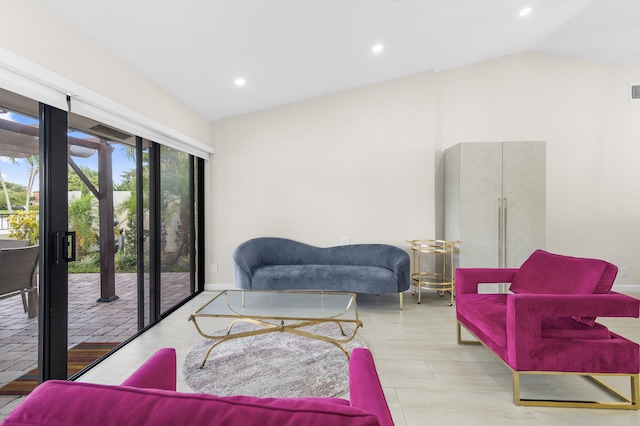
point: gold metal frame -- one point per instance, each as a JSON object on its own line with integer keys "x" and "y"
{"x": 626, "y": 402}
{"x": 441, "y": 279}
{"x": 269, "y": 327}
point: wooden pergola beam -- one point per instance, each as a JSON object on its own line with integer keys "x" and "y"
{"x": 20, "y": 140}
{"x": 107, "y": 234}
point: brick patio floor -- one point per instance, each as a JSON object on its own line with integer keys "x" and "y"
{"x": 89, "y": 321}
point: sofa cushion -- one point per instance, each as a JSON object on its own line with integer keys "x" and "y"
{"x": 607, "y": 279}
{"x": 488, "y": 313}
{"x": 547, "y": 273}
{"x": 569, "y": 328}
{"x": 58, "y": 403}
{"x": 355, "y": 278}
{"x": 603, "y": 287}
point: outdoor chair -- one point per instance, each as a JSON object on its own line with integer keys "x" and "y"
{"x": 5, "y": 243}
{"x": 18, "y": 276}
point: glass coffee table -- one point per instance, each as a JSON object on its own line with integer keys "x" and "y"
{"x": 281, "y": 311}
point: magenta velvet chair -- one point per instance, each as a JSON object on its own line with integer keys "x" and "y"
{"x": 149, "y": 398}
{"x": 547, "y": 323}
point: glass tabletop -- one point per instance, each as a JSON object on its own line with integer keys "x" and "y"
{"x": 282, "y": 305}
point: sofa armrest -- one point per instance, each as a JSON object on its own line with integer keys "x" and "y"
{"x": 526, "y": 309}
{"x": 467, "y": 279}
{"x": 241, "y": 277}
{"x": 529, "y": 351}
{"x": 158, "y": 372}
{"x": 244, "y": 259}
{"x": 365, "y": 389}
{"x": 402, "y": 271}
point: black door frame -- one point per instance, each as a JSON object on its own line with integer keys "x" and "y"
{"x": 54, "y": 240}
{"x": 53, "y": 318}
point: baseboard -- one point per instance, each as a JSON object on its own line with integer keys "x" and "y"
{"x": 620, "y": 288}
{"x": 626, "y": 288}
{"x": 218, "y": 287}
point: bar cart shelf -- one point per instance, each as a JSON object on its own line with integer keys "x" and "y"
{"x": 433, "y": 267}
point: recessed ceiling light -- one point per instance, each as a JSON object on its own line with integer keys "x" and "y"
{"x": 377, "y": 48}
{"x": 240, "y": 82}
{"x": 525, "y": 12}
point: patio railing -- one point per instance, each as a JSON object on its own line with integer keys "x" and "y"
{"x": 4, "y": 224}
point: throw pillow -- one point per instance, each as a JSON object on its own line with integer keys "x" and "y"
{"x": 548, "y": 273}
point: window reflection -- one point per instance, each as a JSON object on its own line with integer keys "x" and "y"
{"x": 176, "y": 216}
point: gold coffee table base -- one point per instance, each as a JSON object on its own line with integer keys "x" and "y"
{"x": 274, "y": 328}
{"x": 281, "y": 311}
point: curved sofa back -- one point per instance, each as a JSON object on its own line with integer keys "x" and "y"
{"x": 257, "y": 252}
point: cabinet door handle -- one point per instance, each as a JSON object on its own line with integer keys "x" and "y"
{"x": 500, "y": 233}
{"x": 504, "y": 232}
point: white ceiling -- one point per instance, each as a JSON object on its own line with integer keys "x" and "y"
{"x": 290, "y": 50}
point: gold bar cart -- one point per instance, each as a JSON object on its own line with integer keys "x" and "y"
{"x": 433, "y": 267}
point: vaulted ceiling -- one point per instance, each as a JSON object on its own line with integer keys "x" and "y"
{"x": 290, "y": 50}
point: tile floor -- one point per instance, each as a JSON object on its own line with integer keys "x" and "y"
{"x": 427, "y": 377}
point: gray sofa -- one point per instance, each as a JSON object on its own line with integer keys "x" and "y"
{"x": 269, "y": 263}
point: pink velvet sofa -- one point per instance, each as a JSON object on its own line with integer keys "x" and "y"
{"x": 149, "y": 397}
{"x": 547, "y": 322}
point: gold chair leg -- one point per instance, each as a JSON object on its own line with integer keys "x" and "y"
{"x": 631, "y": 402}
{"x": 464, "y": 342}
{"x": 624, "y": 402}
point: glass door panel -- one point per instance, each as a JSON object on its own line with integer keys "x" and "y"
{"x": 103, "y": 280}
{"x": 19, "y": 224}
{"x": 130, "y": 203}
{"x": 176, "y": 217}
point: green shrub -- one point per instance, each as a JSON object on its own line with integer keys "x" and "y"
{"x": 88, "y": 263}
{"x": 125, "y": 262}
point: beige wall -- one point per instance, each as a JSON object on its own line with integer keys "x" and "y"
{"x": 355, "y": 164}
{"x": 366, "y": 163}
{"x": 32, "y": 32}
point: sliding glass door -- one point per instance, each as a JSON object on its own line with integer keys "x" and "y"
{"x": 102, "y": 198}
{"x": 19, "y": 219}
{"x": 114, "y": 217}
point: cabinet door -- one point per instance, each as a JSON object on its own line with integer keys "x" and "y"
{"x": 524, "y": 191}
{"x": 480, "y": 194}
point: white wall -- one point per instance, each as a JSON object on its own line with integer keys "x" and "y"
{"x": 358, "y": 163}
{"x": 366, "y": 163}
{"x": 582, "y": 110}
{"x": 35, "y": 34}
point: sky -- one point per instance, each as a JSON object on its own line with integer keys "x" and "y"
{"x": 17, "y": 170}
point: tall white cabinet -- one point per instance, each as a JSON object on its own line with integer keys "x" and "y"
{"x": 494, "y": 201}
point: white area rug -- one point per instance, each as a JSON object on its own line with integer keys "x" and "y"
{"x": 275, "y": 365}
